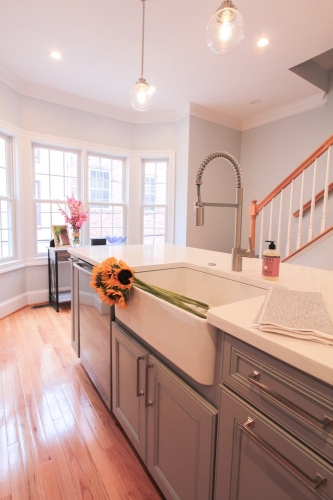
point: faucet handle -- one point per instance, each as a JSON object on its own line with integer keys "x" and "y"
{"x": 250, "y": 251}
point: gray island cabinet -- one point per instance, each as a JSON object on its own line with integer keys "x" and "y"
{"x": 275, "y": 433}
{"x": 262, "y": 429}
{"x": 171, "y": 426}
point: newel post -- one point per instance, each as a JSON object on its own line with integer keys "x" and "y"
{"x": 253, "y": 216}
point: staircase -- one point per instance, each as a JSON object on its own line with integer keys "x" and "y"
{"x": 298, "y": 213}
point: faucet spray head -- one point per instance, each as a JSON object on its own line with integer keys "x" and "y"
{"x": 199, "y": 214}
{"x": 198, "y": 208}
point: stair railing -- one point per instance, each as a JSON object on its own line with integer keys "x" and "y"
{"x": 304, "y": 182}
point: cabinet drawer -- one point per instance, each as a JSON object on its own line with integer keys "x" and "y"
{"x": 299, "y": 402}
{"x": 257, "y": 460}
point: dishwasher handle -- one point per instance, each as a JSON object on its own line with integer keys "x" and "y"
{"x": 83, "y": 268}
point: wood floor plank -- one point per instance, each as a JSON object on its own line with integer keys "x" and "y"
{"x": 57, "y": 455}
{"x": 50, "y": 482}
{"x": 5, "y": 487}
{"x": 58, "y": 441}
{"x": 19, "y": 486}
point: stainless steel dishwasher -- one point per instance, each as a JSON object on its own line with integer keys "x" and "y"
{"x": 92, "y": 330}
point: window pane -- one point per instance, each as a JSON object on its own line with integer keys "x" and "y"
{"x": 2, "y": 153}
{"x": 57, "y": 188}
{"x": 42, "y": 187}
{"x": 106, "y": 220}
{"x": 6, "y": 229}
{"x": 56, "y": 162}
{"x": 6, "y": 206}
{"x": 3, "y": 181}
{"x": 42, "y": 161}
{"x": 55, "y": 178}
{"x": 105, "y": 179}
{"x": 154, "y": 223}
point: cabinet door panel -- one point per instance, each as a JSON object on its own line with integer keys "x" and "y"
{"x": 128, "y": 368}
{"x": 181, "y": 436}
{"x": 257, "y": 460}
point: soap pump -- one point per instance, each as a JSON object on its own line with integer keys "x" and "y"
{"x": 271, "y": 262}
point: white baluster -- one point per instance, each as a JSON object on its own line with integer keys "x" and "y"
{"x": 290, "y": 218}
{"x": 278, "y": 241}
{"x": 323, "y": 220}
{"x": 261, "y": 233}
{"x": 313, "y": 202}
{"x": 271, "y": 220}
{"x": 300, "y": 215}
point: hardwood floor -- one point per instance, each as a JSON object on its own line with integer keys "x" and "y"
{"x": 57, "y": 439}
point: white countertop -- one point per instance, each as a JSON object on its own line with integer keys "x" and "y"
{"x": 236, "y": 318}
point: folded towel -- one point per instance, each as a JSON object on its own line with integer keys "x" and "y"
{"x": 295, "y": 313}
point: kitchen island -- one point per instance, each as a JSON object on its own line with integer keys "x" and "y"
{"x": 313, "y": 358}
{"x": 281, "y": 386}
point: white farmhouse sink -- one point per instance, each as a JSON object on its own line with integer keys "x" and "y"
{"x": 183, "y": 338}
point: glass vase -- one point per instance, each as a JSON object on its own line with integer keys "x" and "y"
{"x": 76, "y": 238}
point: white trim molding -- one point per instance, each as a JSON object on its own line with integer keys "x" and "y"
{"x": 295, "y": 108}
{"x": 191, "y": 109}
{"x": 25, "y": 299}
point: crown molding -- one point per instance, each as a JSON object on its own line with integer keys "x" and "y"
{"x": 308, "y": 104}
{"x": 10, "y": 79}
{"x": 134, "y": 117}
{"x": 214, "y": 116}
{"x": 90, "y": 106}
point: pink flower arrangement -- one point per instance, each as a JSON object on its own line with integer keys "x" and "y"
{"x": 78, "y": 214}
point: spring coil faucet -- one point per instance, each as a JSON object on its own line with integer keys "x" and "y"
{"x": 237, "y": 251}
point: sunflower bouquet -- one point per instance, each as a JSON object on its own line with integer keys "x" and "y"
{"x": 113, "y": 280}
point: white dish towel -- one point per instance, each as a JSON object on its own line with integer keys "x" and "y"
{"x": 298, "y": 314}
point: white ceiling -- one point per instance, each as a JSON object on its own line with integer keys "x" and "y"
{"x": 100, "y": 41}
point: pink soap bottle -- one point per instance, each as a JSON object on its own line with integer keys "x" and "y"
{"x": 271, "y": 262}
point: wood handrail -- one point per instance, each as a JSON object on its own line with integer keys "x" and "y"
{"x": 318, "y": 197}
{"x": 307, "y": 244}
{"x": 316, "y": 154}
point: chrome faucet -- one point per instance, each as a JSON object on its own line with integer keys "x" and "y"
{"x": 237, "y": 251}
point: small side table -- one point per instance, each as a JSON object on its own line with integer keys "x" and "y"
{"x": 57, "y": 256}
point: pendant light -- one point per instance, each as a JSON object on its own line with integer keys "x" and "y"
{"x": 142, "y": 93}
{"x": 225, "y": 29}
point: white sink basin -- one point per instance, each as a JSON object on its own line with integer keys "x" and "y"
{"x": 183, "y": 338}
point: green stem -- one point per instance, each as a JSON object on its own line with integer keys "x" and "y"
{"x": 183, "y": 298}
{"x": 171, "y": 297}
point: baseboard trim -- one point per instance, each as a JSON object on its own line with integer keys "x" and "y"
{"x": 15, "y": 303}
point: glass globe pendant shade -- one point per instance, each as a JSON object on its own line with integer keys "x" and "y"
{"x": 225, "y": 29}
{"x": 142, "y": 95}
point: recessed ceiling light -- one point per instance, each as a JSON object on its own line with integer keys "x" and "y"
{"x": 55, "y": 55}
{"x": 262, "y": 42}
{"x": 256, "y": 101}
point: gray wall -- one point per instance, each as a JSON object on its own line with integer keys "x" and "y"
{"x": 182, "y": 154}
{"x": 219, "y": 185}
{"x": 10, "y": 105}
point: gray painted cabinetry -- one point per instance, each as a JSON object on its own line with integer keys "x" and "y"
{"x": 171, "y": 426}
{"x": 275, "y": 430}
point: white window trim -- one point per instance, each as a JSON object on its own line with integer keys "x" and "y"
{"x": 56, "y": 147}
{"x": 10, "y": 192}
{"x": 170, "y": 202}
{"x": 114, "y": 156}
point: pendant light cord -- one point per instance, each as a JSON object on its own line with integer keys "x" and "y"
{"x": 143, "y": 35}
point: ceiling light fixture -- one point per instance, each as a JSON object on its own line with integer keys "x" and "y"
{"x": 262, "y": 42}
{"x": 225, "y": 29}
{"x": 55, "y": 55}
{"x": 142, "y": 93}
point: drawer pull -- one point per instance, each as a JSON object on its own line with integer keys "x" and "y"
{"x": 147, "y": 402}
{"x": 308, "y": 481}
{"x": 319, "y": 424}
{"x": 138, "y": 392}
